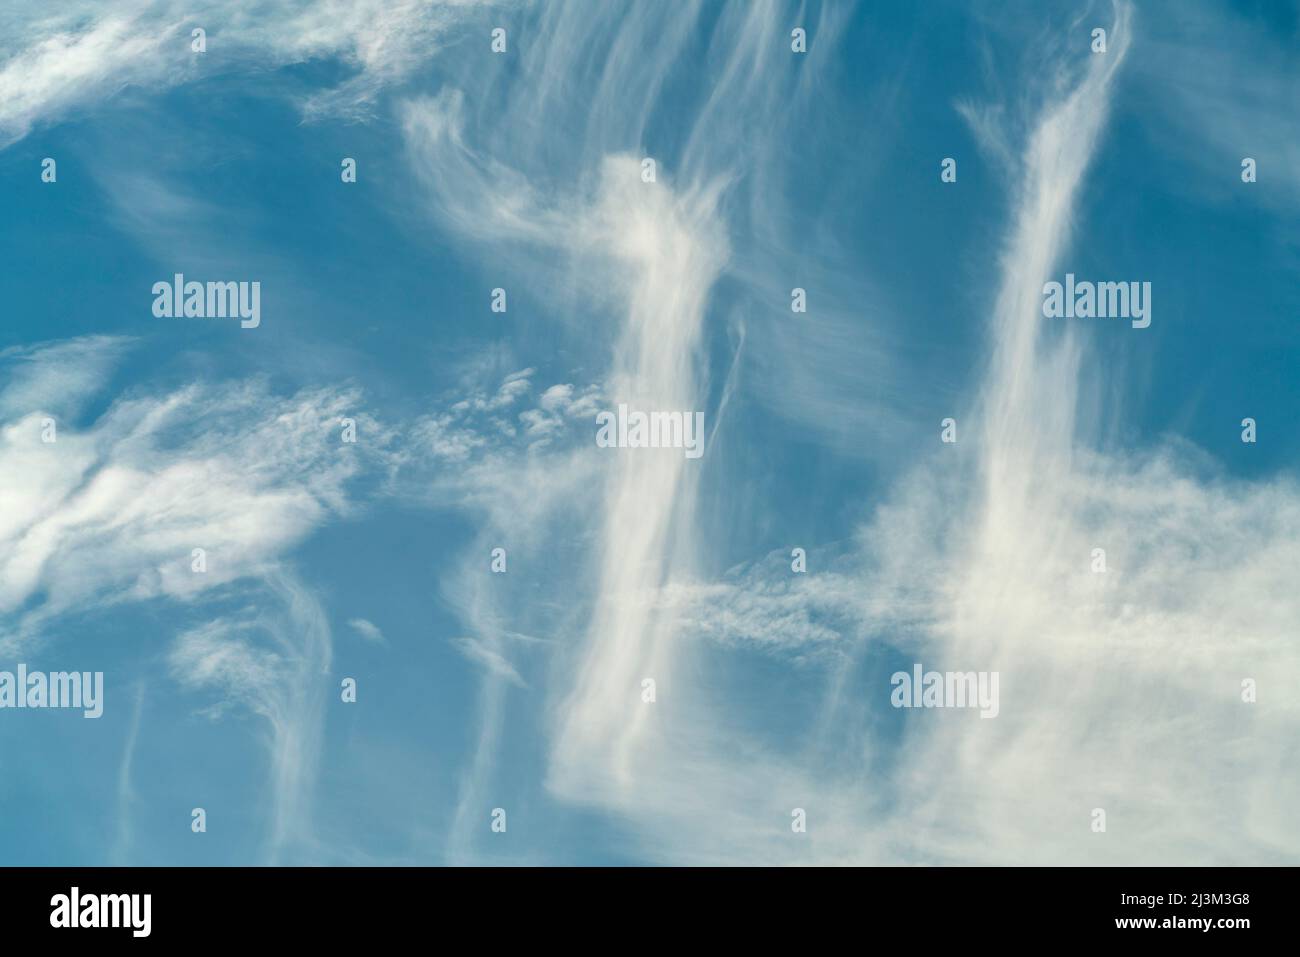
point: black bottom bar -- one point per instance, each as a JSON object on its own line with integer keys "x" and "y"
{"x": 367, "y": 905}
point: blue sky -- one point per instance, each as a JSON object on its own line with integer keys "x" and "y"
{"x": 523, "y": 690}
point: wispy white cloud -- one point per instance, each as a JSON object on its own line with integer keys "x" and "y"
{"x": 489, "y": 424}
{"x": 489, "y": 658}
{"x": 57, "y": 377}
{"x": 56, "y": 60}
{"x": 369, "y": 631}
{"x": 52, "y": 64}
{"x": 1218, "y": 78}
{"x": 273, "y": 662}
{"x": 126, "y": 792}
{"x": 650, "y": 254}
{"x": 112, "y": 510}
{"x": 1121, "y": 689}
{"x": 1106, "y": 699}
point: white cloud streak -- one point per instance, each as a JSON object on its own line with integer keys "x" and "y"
{"x": 54, "y": 61}
{"x": 1118, "y": 691}
{"x": 111, "y": 511}
{"x": 368, "y": 631}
